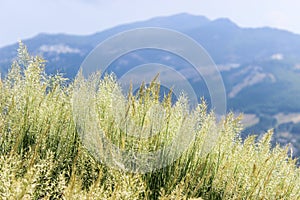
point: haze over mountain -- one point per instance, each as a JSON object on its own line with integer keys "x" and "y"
{"x": 260, "y": 66}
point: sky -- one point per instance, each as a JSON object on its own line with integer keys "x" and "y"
{"x": 23, "y": 19}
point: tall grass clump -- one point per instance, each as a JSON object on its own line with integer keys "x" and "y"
{"x": 50, "y": 149}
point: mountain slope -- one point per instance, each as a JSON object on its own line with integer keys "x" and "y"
{"x": 260, "y": 66}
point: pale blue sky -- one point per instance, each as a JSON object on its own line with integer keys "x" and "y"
{"x": 21, "y": 19}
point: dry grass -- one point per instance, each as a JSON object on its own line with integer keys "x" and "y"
{"x": 43, "y": 157}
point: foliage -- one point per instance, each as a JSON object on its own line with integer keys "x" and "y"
{"x": 42, "y": 155}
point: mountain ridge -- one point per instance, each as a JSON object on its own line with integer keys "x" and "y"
{"x": 209, "y": 33}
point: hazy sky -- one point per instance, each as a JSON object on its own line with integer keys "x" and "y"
{"x": 21, "y": 19}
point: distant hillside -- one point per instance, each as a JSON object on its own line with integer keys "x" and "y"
{"x": 260, "y": 66}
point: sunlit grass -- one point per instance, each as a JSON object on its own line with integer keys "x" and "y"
{"x": 42, "y": 155}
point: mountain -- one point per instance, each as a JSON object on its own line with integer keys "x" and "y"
{"x": 225, "y": 42}
{"x": 260, "y": 66}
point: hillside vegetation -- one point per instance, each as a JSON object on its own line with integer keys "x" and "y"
{"x": 42, "y": 155}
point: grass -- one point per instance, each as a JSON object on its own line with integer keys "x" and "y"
{"x": 44, "y": 154}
